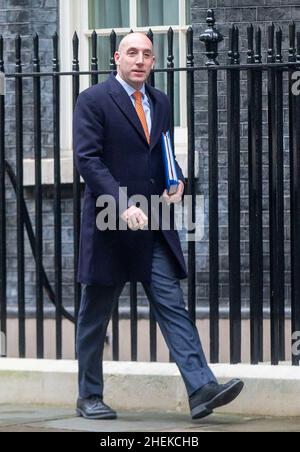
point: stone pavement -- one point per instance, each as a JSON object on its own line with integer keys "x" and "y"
{"x": 52, "y": 419}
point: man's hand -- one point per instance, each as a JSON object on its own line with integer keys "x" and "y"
{"x": 177, "y": 197}
{"x": 135, "y": 218}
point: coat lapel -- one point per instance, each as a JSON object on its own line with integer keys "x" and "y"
{"x": 123, "y": 102}
{"x": 158, "y": 117}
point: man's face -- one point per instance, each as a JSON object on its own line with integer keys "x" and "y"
{"x": 135, "y": 59}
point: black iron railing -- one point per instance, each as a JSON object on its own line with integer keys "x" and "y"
{"x": 256, "y": 73}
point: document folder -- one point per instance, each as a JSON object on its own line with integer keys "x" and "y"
{"x": 172, "y": 181}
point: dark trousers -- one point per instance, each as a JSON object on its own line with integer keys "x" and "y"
{"x": 166, "y": 298}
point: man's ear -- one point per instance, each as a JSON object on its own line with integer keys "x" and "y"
{"x": 116, "y": 58}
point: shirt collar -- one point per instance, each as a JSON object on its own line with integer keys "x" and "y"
{"x": 129, "y": 89}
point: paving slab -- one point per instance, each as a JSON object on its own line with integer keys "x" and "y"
{"x": 54, "y": 419}
{"x": 25, "y": 414}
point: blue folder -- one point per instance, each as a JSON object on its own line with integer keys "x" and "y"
{"x": 172, "y": 181}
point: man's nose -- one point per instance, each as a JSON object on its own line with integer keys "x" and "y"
{"x": 140, "y": 59}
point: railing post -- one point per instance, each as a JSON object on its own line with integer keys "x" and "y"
{"x": 191, "y": 186}
{"x": 170, "y": 79}
{"x": 276, "y": 198}
{"x": 76, "y": 176}
{"x": 151, "y": 80}
{"x": 211, "y": 38}
{"x": 38, "y": 201}
{"x": 255, "y": 121}
{"x": 57, "y": 198}
{"x": 94, "y": 65}
{"x": 115, "y": 314}
{"x": 294, "y": 112}
{"x": 113, "y": 48}
{"x": 234, "y": 196}
{"x": 20, "y": 197}
{"x": 3, "y": 270}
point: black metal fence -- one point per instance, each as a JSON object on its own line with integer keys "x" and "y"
{"x": 271, "y": 75}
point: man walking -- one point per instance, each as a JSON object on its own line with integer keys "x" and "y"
{"x": 117, "y": 142}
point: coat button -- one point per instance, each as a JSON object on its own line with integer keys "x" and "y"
{"x": 153, "y": 181}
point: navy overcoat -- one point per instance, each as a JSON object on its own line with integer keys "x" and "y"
{"x": 111, "y": 151}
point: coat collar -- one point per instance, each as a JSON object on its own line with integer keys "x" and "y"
{"x": 123, "y": 102}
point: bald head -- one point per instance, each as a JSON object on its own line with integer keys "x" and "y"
{"x": 135, "y": 59}
{"x": 134, "y": 39}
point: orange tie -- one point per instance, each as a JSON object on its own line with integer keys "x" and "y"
{"x": 141, "y": 114}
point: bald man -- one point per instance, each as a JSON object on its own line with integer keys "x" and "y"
{"x": 118, "y": 127}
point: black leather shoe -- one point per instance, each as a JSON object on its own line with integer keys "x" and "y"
{"x": 94, "y": 408}
{"x": 213, "y": 395}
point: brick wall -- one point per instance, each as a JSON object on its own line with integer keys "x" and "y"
{"x": 241, "y": 13}
{"x": 27, "y": 17}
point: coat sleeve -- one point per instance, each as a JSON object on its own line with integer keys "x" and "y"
{"x": 88, "y": 139}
